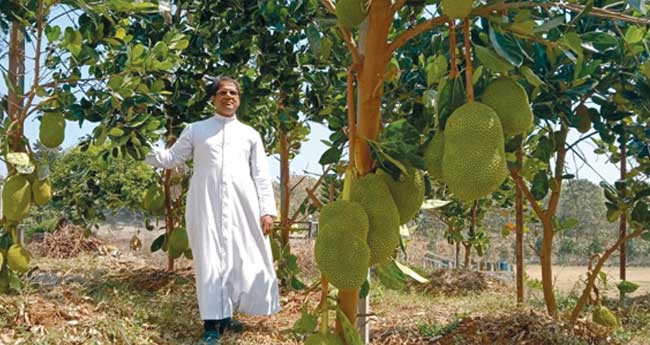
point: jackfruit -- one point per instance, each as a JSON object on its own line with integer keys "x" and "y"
{"x": 323, "y": 339}
{"x": 457, "y": 9}
{"x": 154, "y": 198}
{"x": 16, "y": 197}
{"x": 433, "y": 155}
{"x": 372, "y": 193}
{"x": 351, "y": 13}
{"x": 52, "y": 130}
{"x": 584, "y": 121}
{"x": 510, "y": 101}
{"x": 18, "y": 258}
{"x": 604, "y": 317}
{"x": 178, "y": 242}
{"x": 341, "y": 258}
{"x": 345, "y": 217}
{"x": 41, "y": 192}
{"x": 408, "y": 192}
{"x": 474, "y": 162}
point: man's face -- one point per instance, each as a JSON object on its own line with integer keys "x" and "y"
{"x": 226, "y": 100}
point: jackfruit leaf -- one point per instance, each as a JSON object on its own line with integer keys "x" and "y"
{"x": 350, "y": 333}
{"x": 613, "y": 212}
{"x": 544, "y": 149}
{"x": 569, "y": 224}
{"x": 390, "y": 276}
{"x": 491, "y": 60}
{"x": 540, "y": 185}
{"x": 2, "y": 259}
{"x": 477, "y": 75}
{"x": 642, "y": 194}
{"x": 429, "y": 99}
{"x": 331, "y": 156}
{"x": 411, "y": 273}
{"x": 436, "y": 70}
{"x": 364, "y": 290}
{"x": 550, "y": 24}
{"x": 640, "y": 213}
{"x": 602, "y": 277}
{"x": 306, "y": 323}
{"x": 640, "y": 5}
{"x": 645, "y": 69}
{"x": 451, "y": 95}
{"x": 601, "y": 41}
{"x": 531, "y": 77}
{"x": 434, "y": 203}
{"x": 296, "y": 284}
{"x": 314, "y": 39}
{"x": 627, "y": 286}
{"x": 158, "y": 243}
{"x": 506, "y": 46}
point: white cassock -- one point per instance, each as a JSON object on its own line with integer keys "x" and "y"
{"x": 229, "y": 190}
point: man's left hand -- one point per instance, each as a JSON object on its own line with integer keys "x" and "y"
{"x": 267, "y": 224}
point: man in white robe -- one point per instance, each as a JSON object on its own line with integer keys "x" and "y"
{"x": 230, "y": 210}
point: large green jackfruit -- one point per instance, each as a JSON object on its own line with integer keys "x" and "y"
{"x": 474, "y": 163}
{"x": 18, "y": 258}
{"x": 342, "y": 259}
{"x": 433, "y": 155}
{"x": 372, "y": 193}
{"x": 323, "y": 339}
{"x": 408, "y": 192}
{"x": 41, "y": 192}
{"x": 52, "y": 130}
{"x": 457, "y": 9}
{"x": 178, "y": 242}
{"x": 584, "y": 121}
{"x": 510, "y": 101}
{"x": 351, "y": 13}
{"x": 16, "y": 198}
{"x": 604, "y": 317}
{"x": 345, "y": 217}
{"x": 154, "y": 198}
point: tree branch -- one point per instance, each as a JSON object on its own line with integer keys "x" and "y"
{"x": 329, "y": 5}
{"x": 397, "y": 6}
{"x": 531, "y": 199}
{"x": 594, "y": 274}
{"x": 314, "y": 187}
{"x": 416, "y": 30}
{"x": 559, "y": 171}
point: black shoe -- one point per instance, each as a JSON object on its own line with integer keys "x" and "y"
{"x": 230, "y": 325}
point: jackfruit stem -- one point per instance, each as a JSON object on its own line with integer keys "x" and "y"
{"x": 469, "y": 71}
{"x": 13, "y": 231}
{"x": 347, "y": 183}
{"x": 323, "y": 304}
{"x": 452, "y": 49}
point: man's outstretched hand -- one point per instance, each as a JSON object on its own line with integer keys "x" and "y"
{"x": 267, "y": 224}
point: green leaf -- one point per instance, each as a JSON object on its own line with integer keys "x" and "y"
{"x": 645, "y": 69}
{"x": 540, "y": 185}
{"x": 390, "y": 276}
{"x": 431, "y": 204}
{"x": 350, "y": 333}
{"x": 158, "y": 243}
{"x": 627, "y": 286}
{"x": 491, "y": 60}
{"x": 411, "y": 273}
{"x": 306, "y": 323}
{"x": 52, "y": 32}
{"x": 646, "y": 236}
{"x": 531, "y": 77}
{"x": 634, "y": 34}
{"x": 331, "y": 156}
{"x": 601, "y": 41}
{"x": 116, "y": 132}
{"x": 570, "y": 223}
{"x": 640, "y": 5}
{"x": 506, "y": 46}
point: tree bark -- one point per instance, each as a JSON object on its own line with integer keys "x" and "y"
{"x": 468, "y": 254}
{"x": 285, "y": 191}
{"x": 519, "y": 229}
{"x": 16, "y": 76}
{"x": 622, "y": 228}
{"x": 546, "y": 257}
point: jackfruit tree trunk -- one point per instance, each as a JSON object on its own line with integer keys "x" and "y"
{"x": 16, "y": 76}
{"x": 169, "y": 214}
{"x": 376, "y": 54}
{"x": 546, "y": 258}
{"x": 622, "y": 227}
{"x": 468, "y": 254}
{"x": 519, "y": 229}
{"x": 457, "y": 263}
{"x": 285, "y": 192}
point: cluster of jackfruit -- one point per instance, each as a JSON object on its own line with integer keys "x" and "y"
{"x": 153, "y": 199}
{"x": 584, "y": 121}
{"x": 351, "y": 13}
{"x": 469, "y": 155}
{"x": 457, "y": 9}
{"x": 52, "y": 129}
{"x": 407, "y": 192}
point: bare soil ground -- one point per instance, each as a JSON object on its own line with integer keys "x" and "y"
{"x": 118, "y": 295}
{"x": 569, "y": 278}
